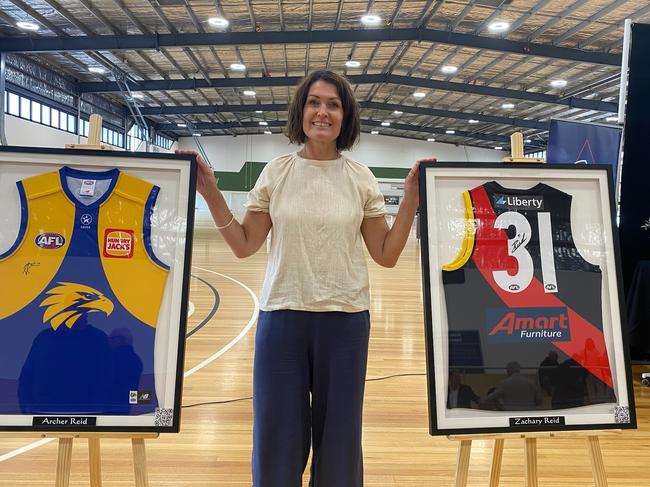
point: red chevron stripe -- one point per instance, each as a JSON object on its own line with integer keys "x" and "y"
{"x": 490, "y": 253}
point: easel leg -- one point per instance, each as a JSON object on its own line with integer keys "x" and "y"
{"x": 140, "y": 463}
{"x": 495, "y": 470}
{"x": 462, "y": 465}
{"x": 63, "y": 462}
{"x": 531, "y": 462}
{"x": 94, "y": 462}
{"x": 596, "y": 458}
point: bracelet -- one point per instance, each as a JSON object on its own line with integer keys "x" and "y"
{"x": 227, "y": 224}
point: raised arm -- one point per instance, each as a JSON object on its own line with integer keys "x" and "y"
{"x": 386, "y": 244}
{"x": 243, "y": 238}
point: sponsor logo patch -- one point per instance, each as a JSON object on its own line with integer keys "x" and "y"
{"x": 523, "y": 325}
{"x": 514, "y": 202}
{"x": 118, "y": 243}
{"x": 140, "y": 397}
{"x": 86, "y": 219}
{"x": 49, "y": 240}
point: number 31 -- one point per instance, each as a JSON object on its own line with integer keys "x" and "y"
{"x": 517, "y": 248}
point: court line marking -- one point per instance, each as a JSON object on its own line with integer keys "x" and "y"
{"x": 241, "y": 335}
{"x": 24, "y": 449}
{"x": 215, "y": 307}
{"x": 206, "y": 362}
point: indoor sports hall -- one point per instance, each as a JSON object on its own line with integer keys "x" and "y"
{"x": 496, "y": 92}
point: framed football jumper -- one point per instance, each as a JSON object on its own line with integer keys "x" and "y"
{"x": 95, "y": 252}
{"x": 522, "y": 298}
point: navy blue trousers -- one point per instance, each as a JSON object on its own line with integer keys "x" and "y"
{"x": 308, "y": 383}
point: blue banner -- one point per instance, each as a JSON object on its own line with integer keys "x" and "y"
{"x": 583, "y": 143}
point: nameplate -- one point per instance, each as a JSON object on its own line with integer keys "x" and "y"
{"x": 526, "y": 422}
{"x": 64, "y": 421}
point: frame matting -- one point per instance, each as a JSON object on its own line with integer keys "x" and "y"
{"x": 168, "y": 236}
{"x": 498, "y": 360}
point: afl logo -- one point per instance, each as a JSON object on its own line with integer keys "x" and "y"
{"x": 550, "y": 287}
{"x": 514, "y": 287}
{"x": 50, "y": 240}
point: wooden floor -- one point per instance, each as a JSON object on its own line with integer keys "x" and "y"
{"x": 213, "y": 448}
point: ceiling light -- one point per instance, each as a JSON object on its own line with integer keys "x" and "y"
{"x": 385, "y": 124}
{"x": 196, "y": 134}
{"x": 558, "y": 83}
{"x": 374, "y": 132}
{"x": 218, "y": 22}
{"x": 268, "y": 132}
{"x": 449, "y": 69}
{"x": 249, "y": 93}
{"x": 508, "y": 106}
{"x": 499, "y": 26}
{"x": 181, "y": 125}
{"x": 498, "y": 147}
{"x": 237, "y": 67}
{"x": 450, "y": 132}
{"x": 138, "y": 96}
{"x": 527, "y": 141}
{"x": 352, "y": 64}
{"x": 612, "y": 119}
{"x": 472, "y": 121}
{"x": 96, "y": 69}
{"x": 419, "y": 94}
{"x": 431, "y": 139}
{"x": 263, "y": 123}
{"x": 259, "y": 111}
{"x": 27, "y": 25}
{"x": 397, "y": 112}
{"x": 370, "y": 19}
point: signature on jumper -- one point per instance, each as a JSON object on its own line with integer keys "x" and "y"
{"x": 518, "y": 241}
{"x": 646, "y": 224}
{"x": 27, "y": 267}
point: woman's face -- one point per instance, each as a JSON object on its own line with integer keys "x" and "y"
{"x": 322, "y": 114}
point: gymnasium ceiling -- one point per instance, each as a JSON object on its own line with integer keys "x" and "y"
{"x": 168, "y": 54}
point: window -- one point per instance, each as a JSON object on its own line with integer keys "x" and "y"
{"x": 46, "y": 115}
{"x": 55, "y": 118}
{"x": 134, "y": 139}
{"x": 14, "y": 104}
{"x": 63, "y": 121}
{"x": 164, "y": 142}
{"x": 541, "y": 154}
{"x": 36, "y": 111}
{"x": 84, "y": 127}
{"x": 25, "y": 108}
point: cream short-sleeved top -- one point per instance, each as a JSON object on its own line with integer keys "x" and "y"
{"x": 316, "y": 261}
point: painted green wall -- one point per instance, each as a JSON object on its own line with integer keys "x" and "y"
{"x": 245, "y": 179}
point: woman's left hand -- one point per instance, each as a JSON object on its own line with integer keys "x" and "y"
{"x": 412, "y": 182}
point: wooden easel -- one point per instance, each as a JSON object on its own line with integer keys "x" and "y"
{"x": 517, "y": 150}
{"x": 530, "y": 458}
{"x": 94, "y": 136}
{"x": 64, "y": 458}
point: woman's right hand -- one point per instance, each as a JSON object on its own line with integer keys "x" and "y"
{"x": 206, "y": 183}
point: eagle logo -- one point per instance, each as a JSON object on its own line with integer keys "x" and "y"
{"x": 68, "y": 301}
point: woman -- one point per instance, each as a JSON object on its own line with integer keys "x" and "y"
{"x": 312, "y": 334}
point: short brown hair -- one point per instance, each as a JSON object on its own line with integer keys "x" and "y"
{"x": 351, "y": 124}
